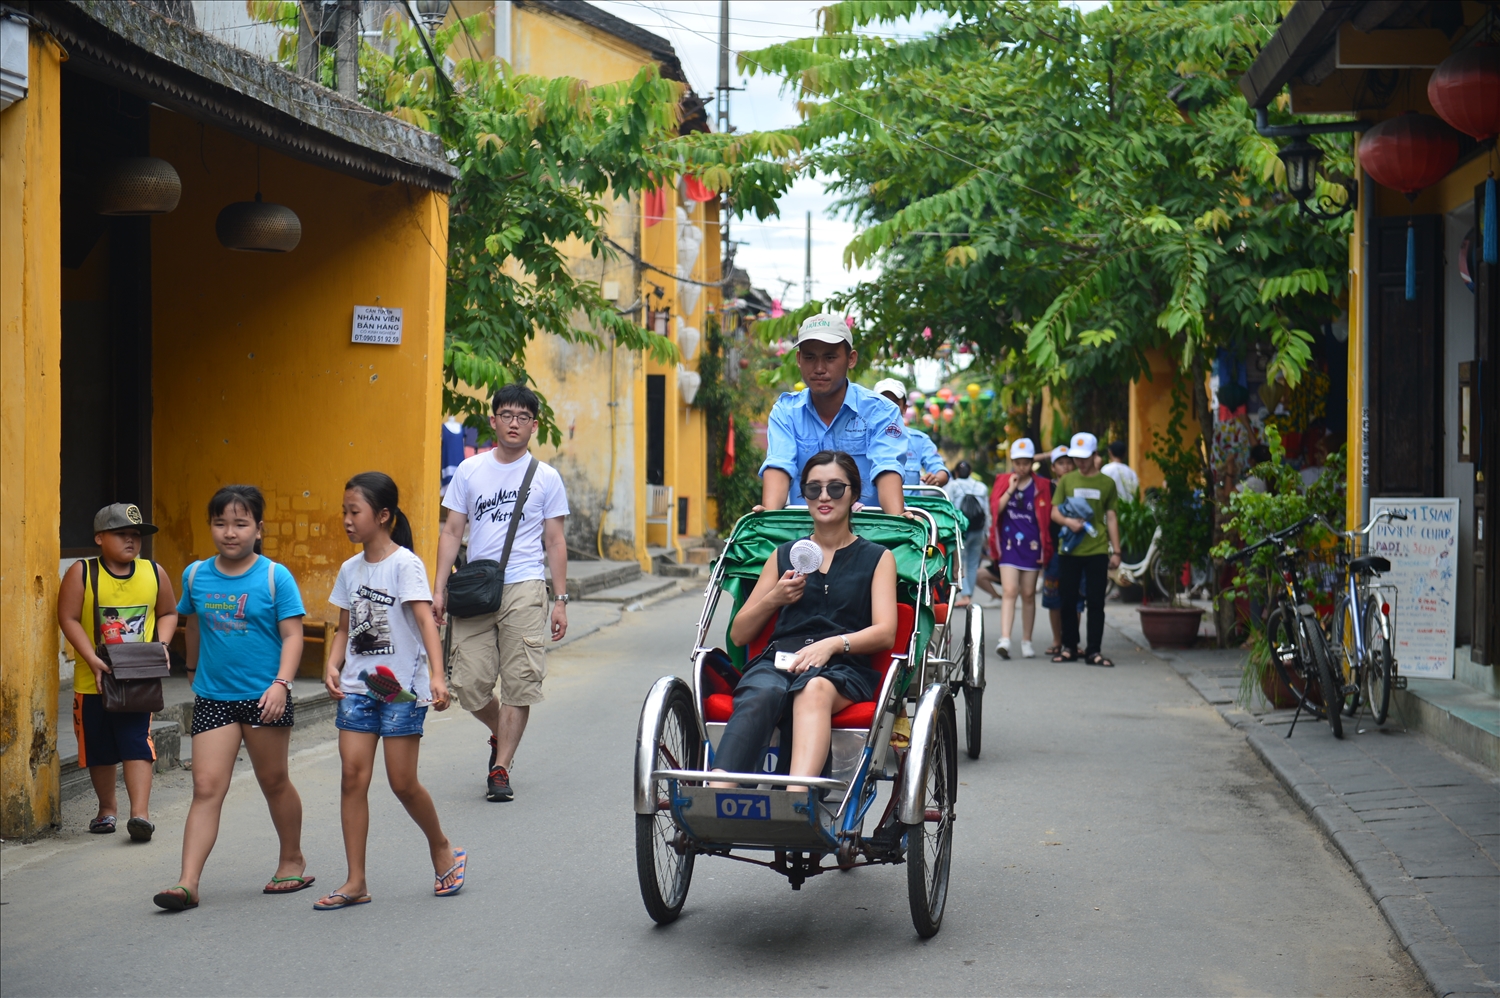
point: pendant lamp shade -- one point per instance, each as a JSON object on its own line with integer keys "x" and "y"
{"x": 688, "y": 383}
{"x": 259, "y": 227}
{"x": 140, "y": 185}
{"x": 1409, "y": 152}
{"x": 1465, "y": 91}
{"x": 687, "y": 341}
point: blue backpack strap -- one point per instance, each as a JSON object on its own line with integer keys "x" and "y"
{"x": 271, "y": 583}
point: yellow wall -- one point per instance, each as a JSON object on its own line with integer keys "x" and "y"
{"x": 1151, "y": 411}
{"x": 30, "y": 440}
{"x": 546, "y": 44}
{"x": 254, "y": 375}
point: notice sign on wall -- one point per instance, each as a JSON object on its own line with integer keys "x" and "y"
{"x": 373, "y": 324}
{"x": 1423, "y": 551}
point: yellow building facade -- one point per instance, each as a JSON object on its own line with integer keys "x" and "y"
{"x": 144, "y": 362}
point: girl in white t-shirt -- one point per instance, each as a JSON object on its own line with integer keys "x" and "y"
{"x": 385, "y": 668}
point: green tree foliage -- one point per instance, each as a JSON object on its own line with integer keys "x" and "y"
{"x": 1063, "y": 189}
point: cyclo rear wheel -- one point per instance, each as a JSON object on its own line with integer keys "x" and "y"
{"x": 665, "y": 871}
{"x": 973, "y": 695}
{"x": 1380, "y": 666}
{"x": 1296, "y": 670}
{"x": 1333, "y": 686}
{"x": 929, "y": 846}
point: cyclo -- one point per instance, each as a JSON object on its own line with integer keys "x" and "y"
{"x": 678, "y": 818}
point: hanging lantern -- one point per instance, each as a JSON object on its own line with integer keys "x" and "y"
{"x": 916, "y": 396}
{"x": 927, "y": 419}
{"x": 141, "y": 185}
{"x": 1465, "y": 91}
{"x": 1409, "y": 152}
{"x": 259, "y": 227}
{"x": 947, "y": 415}
{"x": 910, "y": 414}
{"x": 688, "y": 383}
{"x": 973, "y": 391}
{"x": 432, "y": 13}
{"x": 927, "y": 332}
{"x": 687, "y": 340}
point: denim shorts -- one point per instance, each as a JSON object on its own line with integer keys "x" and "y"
{"x": 358, "y": 712}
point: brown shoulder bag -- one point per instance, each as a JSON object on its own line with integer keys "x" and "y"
{"x": 133, "y": 684}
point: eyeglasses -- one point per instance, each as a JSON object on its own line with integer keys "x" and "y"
{"x": 519, "y": 418}
{"x": 835, "y": 490}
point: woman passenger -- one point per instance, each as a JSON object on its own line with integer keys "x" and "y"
{"x": 829, "y": 623}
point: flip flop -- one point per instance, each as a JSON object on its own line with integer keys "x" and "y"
{"x": 1100, "y": 660}
{"x": 1066, "y": 656}
{"x": 103, "y": 826}
{"x": 456, "y": 871}
{"x": 347, "y": 902}
{"x": 175, "y": 902}
{"x": 303, "y": 883}
{"x": 140, "y": 829}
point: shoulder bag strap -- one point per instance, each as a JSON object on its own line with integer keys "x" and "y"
{"x": 192, "y": 575}
{"x": 156, "y": 578}
{"x": 515, "y": 516}
{"x": 271, "y": 583}
{"x": 93, "y": 573}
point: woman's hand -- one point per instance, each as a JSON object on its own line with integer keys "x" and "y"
{"x": 439, "y": 691}
{"x": 273, "y": 704}
{"x": 331, "y": 680}
{"x": 788, "y": 590}
{"x": 816, "y": 654}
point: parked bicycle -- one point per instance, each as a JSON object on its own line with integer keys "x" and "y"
{"x": 1361, "y": 629}
{"x": 1299, "y": 651}
{"x": 1193, "y": 581}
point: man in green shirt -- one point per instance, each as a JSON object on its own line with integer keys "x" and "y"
{"x": 1090, "y": 561}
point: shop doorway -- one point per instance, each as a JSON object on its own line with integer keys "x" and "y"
{"x": 106, "y": 316}
{"x": 656, "y": 429}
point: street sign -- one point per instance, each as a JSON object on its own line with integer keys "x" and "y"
{"x": 1423, "y": 551}
{"x": 373, "y": 324}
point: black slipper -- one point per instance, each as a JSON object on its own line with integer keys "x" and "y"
{"x": 1100, "y": 660}
{"x": 1067, "y": 656}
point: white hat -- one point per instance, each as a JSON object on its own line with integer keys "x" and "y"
{"x": 1022, "y": 448}
{"x": 892, "y": 386}
{"x": 1083, "y": 445}
{"x": 1061, "y": 450}
{"x": 825, "y": 327}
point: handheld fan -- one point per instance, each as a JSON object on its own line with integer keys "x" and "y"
{"x": 806, "y": 557}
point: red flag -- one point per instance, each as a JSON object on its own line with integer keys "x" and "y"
{"x": 654, "y": 205}
{"x": 696, "y": 189}
{"x": 727, "y": 468}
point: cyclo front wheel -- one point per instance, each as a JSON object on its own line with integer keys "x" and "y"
{"x": 1380, "y": 666}
{"x": 929, "y": 846}
{"x": 664, "y": 868}
{"x": 1289, "y": 656}
{"x": 973, "y": 695}
{"x": 1333, "y": 686}
{"x": 1344, "y": 653}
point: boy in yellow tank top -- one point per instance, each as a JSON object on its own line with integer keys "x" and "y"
{"x": 136, "y": 603}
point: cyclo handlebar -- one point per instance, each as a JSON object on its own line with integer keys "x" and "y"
{"x": 1287, "y": 532}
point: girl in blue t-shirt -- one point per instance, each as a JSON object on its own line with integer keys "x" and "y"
{"x": 244, "y": 643}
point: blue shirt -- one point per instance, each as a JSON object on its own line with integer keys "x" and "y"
{"x": 867, "y": 427}
{"x": 921, "y": 455}
{"x": 239, "y": 643}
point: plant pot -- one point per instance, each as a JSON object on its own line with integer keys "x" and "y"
{"x": 1170, "y": 626}
{"x": 1277, "y": 693}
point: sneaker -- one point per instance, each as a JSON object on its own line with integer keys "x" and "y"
{"x": 1003, "y": 648}
{"x": 494, "y": 751}
{"x": 498, "y": 785}
{"x": 1027, "y": 651}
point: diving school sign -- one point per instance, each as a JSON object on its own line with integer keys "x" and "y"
{"x": 1423, "y": 551}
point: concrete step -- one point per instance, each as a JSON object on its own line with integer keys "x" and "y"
{"x": 1463, "y": 718}
{"x": 586, "y": 577}
{"x": 630, "y": 592}
{"x": 672, "y": 570}
{"x": 699, "y": 555}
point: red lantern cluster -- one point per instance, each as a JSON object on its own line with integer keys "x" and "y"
{"x": 1409, "y": 152}
{"x": 1465, "y": 91}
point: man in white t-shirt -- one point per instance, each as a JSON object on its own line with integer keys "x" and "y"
{"x": 505, "y": 646}
{"x": 1126, "y": 480}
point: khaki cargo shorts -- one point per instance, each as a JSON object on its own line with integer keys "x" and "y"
{"x": 504, "y": 647}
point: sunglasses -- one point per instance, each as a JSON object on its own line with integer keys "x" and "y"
{"x": 835, "y": 490}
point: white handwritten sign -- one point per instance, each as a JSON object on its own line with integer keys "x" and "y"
{"x": 373, "y": 324}
{"x": 1423, "y": 551}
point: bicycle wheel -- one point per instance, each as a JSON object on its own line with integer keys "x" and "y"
{"x": 1289, "y": 658}
{"x": 1322, "y": 659}
{"x": 1380, "y": 665}
{"x": 664, "y": 870}
{"x": 973, "y": 719}
{"x": 1346, "y": 662}
{"x": 929, "y": 846}
{"x": 1162, "y": 577}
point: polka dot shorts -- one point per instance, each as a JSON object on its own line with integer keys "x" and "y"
{"x": 210, "y": 714}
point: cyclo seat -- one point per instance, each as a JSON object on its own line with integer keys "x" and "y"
{"x": 1370, "y": 563}
{"x": 718, "y": 706}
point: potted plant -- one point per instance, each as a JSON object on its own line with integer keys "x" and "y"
{"x": 1186, "y": 522}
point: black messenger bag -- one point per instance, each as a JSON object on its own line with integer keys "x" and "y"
{"x": 475, "y": 589}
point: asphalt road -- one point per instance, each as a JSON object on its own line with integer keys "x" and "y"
{"x": 1117, "y": 837}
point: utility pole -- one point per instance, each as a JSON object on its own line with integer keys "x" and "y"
{"x": 309, "y": 26}
{"x": 346, "y": 56}
{"x": 807, "y": 266}
{"x": 721, "y": 119}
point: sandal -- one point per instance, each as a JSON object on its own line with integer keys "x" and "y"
{"x": 456, "y": 871}
{"x": 103, "y": 826}
{"x": 1054, "y": 650}
{"x": 175, "y": 902}
{"x": 1098, "y": 659}
{"x": 1066, "y": 656}
{"x": 345, "y": 901}
{"x": 303, "y": 883}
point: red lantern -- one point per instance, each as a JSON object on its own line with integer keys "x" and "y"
{"x": 1409, "y": 152}
{"x": 1465, "y": 91}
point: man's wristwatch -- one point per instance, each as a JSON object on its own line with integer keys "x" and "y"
{"x": 561, "y": 598}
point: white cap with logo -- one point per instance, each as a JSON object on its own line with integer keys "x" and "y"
{"x": 890, "y": 386}
{"x": 1022, "y": 448}
{"x": 825, "y": 327}
{"x": 1061, "y": 450}
{"x": 1083, "y": 445}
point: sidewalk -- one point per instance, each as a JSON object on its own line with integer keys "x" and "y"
{"x": 1419, "y": 825}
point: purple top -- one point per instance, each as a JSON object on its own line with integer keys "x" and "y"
{"x": 1020, "y": 535}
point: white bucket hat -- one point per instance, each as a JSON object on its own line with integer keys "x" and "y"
{"x": 1083, "y": 445}
{"x": 825, "y": 327}
{"x": 1022, "y": 448}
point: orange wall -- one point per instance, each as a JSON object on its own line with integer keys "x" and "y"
{"x": 1151, "y": 411}
{"x": 254, "y": 375}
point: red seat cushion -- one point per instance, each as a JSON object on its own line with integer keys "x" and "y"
{"x": 940, "y": 612}
{"x": 856, "y": 715}
{"x": 718, "y": 706}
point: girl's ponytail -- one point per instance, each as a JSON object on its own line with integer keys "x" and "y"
{"x": 380, "y": 491}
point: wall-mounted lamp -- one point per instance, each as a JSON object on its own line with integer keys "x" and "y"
{"x": 1302, "y": 159}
